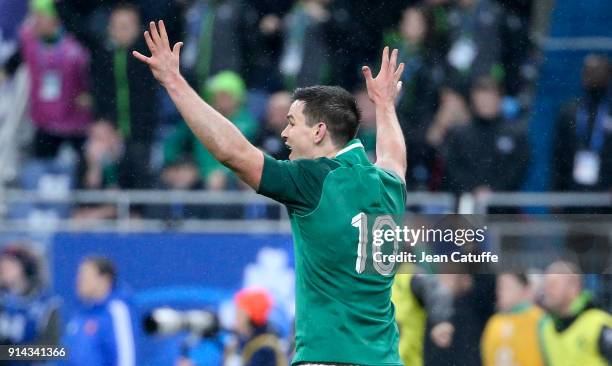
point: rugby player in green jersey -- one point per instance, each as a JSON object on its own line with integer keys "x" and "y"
{"x": 335, "y": 198}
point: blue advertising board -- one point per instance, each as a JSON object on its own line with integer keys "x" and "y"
{"x": 184, "y": 271}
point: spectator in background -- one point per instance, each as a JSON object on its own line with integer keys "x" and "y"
{"x": 180, "y": 174}
{"x": 12, "y": 13}
{"x": 125, "y": 93}
{"x": 473, "y": 304}
{"x": 270, "y": 141}
{"x": 439, "y": 32}
{"x": 305, "y": 52}
{"x": 476, "y": 34}
{"x": 28, "y": 314}
{"x": 582, "y": 157}
{"x": 489, "y": 154}
{"x": 59, "y": 81}
{"x": 212, "y": 42}
{"x": 453, "y": 112}
{"x": 517, "y": 47}
{"x": 346, "y": 44}
{"x": 511, "y": 335}
{"x": 354, "y": 36}
{"x": 100, "y": 334}
{"x": 423, "y": 74}
{"x": 262, "y": 37}
{"x": 269, "y": 135}
{"x": 575, "y": 331}
{"x": 87, "y": 20}
{"x": 226, "y": 92}
{"x": 59, "y": 106}
{"x": 172, "y": 11}
{"x": 420, "y": 299}
{"x": 103, "y": 151}
{"x": 258, "y": 344}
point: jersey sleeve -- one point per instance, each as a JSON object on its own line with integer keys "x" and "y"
{"x": 297, "y": 184}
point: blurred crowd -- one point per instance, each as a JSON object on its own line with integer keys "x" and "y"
{"x": 101, "y": 120}
{"x": 550, "y": 317}
{"x": 99, "y": 333}
{"x": 468, "y": 86}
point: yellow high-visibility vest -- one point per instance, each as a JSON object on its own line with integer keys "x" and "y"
{"x": 511, "y": 339}
{"x": 578, "y": 344}
{"x": 411, "y": 319}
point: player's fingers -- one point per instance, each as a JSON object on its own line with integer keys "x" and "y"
{"x": 398, "y": 73}
{"x": 163, "y": 34}
{"x": 150, "y": 42}
{"x": 176, "y": 50}
{"x": 367, "y": 73}
{"x": 384, "y": 64}
{"x": 154, "y": 34}
{"x": 399, "y": 87}
{"x": 393, "y": 61}
{"x": 141, "y": 57}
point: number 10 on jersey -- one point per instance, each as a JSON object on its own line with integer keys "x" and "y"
{"x": 382, "y": 222}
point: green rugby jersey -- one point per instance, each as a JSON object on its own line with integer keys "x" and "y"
{"x": 344, "y": 312}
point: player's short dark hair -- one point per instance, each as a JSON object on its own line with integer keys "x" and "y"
{"x": 333, "y": 106}
{"x": 104, "y": 266}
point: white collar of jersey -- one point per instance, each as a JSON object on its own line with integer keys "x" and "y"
{"x": 349, "y": 148}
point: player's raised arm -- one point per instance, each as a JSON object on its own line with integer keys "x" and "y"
{"x": 224, "y": 141}
{"x": 383, "y": 90}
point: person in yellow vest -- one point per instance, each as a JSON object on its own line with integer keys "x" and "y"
{"x": 574, "y": 332}
{"x": 419, "y": 299}
{"x": 510, "y": 337}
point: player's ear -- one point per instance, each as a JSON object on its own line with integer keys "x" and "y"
{"x": 319, "y": 132}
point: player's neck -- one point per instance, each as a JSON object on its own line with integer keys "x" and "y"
{"x": 327, "y": 150}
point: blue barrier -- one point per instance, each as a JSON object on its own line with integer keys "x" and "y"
{"x": 185, "y": 271}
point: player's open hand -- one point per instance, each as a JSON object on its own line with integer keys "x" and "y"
{"x": 386, "y": 86}
{"x": 164, "y": 62}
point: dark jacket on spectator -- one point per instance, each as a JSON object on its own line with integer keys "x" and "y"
{"x": 416, "y": 108}
{"x": 571, "y": 138}
{"x": 482, "y": 26}
{"x": 486, "y": 153}
{"x": 305, "y": 57}
{"x": 212, "y": 40}
{"x": 141, "y": 88}
{"x": 139, "y": 119}
{"x": 472, "y": 309}
{"x": 261, "y": 49}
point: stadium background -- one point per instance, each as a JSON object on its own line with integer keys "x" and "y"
{"x": 115, "y": 195}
